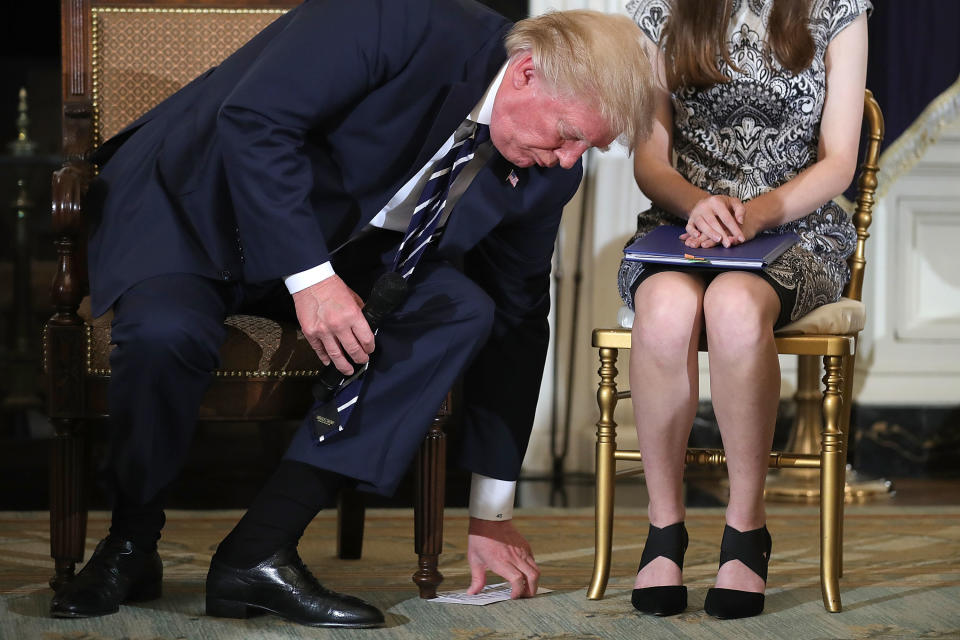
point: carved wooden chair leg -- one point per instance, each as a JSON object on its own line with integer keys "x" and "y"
{"x": 68, "y": 504}
{"x": 350, "y": 514}
{"x": 429, "y": 502}
{"x": 606, "y": 467}
{"x": 832, "y": 460}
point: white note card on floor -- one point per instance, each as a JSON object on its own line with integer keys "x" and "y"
{"x": 490, "y": 594}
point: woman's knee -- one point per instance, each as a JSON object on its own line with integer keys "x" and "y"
{"x": 739, "y": 312}
{"x": 668, "y": 311}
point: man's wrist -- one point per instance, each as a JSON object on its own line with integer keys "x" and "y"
{"x": 491, "y": 499}
{"x": 302, "y": 280}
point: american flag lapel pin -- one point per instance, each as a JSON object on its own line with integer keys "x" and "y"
{"x": 512, "y": 178}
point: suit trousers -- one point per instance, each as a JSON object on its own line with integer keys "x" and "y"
{"x": 168, "y": 331}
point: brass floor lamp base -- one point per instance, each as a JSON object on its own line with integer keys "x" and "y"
{"x": 804, "y": 485}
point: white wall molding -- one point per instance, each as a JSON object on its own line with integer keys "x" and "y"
{"x": 927, "y": 304}
{"x": 910, "y": 348}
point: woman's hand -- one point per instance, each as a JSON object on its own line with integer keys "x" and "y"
{"x": 715, "y": 220}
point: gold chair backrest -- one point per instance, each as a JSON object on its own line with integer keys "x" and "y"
{"x": 142, "y": 54}
{"x": 866, "y": 190}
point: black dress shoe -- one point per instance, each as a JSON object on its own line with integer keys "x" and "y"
{"x": 116, "y": 573}
{"x": 752, "y": 548}
{"x": 281, "y": 584}
{"x": 669, "y": 542}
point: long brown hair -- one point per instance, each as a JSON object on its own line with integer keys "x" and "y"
{"x": 696, "y": 31}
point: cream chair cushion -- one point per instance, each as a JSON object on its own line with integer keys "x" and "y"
{"x": 843, "y": 317}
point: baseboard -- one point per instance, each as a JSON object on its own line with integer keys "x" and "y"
{"x": 917, "y": 441}
{"x": 905, "y": 441}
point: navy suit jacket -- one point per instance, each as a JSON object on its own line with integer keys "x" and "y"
{"x": 261, "y": 166}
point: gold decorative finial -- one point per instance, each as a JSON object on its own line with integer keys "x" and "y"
{"x": 23, "y": 145}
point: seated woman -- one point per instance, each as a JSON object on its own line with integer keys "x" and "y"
{"x": 761, "y": 102}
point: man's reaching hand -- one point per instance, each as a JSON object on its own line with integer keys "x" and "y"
{"x": 499, "y": 547}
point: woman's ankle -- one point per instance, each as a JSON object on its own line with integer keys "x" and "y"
{"x": 746, "y": 519}
{"x": 661, "y": 518}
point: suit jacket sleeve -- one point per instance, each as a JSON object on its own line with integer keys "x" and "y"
{"x": 327, "y": 59}
{"x": 512, "y": 264}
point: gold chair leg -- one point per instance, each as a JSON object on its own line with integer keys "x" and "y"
{"x": 606, "y": 466}
{"x": 832, "y": 462}
{"x": 849, "y": 363}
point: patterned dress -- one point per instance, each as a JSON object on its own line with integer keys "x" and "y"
{"x": 753, "y": 134}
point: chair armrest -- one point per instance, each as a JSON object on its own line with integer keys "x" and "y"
{"x": 69, "y": 188}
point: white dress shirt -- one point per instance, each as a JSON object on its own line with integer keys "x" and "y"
{"x": 490, "y": 499}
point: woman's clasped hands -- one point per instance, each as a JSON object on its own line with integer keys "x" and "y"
{"x": 718, "y": 220}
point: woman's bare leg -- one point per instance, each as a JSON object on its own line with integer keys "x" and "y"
{"x": 664, "y": 386}
{"x": 740, "y": 309}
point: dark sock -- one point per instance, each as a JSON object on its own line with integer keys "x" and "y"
{"x": 140, "y": 523}
{"x": 289, "y": 500}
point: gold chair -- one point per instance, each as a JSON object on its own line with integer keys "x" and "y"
{"x": 120, "y": 58}
{"x": 829, "y": 332}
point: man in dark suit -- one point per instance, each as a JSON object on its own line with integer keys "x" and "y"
{"x": 301, "y": 160}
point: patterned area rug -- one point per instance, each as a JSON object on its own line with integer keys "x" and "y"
{"x": 902, "y": 580}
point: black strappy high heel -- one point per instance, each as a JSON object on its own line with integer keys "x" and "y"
{"x": 669, "y": 542}
{"x": 752, "y": 548}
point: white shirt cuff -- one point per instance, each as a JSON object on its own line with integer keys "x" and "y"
{"x": 491, "y": 499}
{"x": 308, "y": 278}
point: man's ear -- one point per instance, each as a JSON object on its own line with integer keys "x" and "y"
{"x": 522, "y": 72}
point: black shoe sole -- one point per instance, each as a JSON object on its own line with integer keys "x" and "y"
{"x": 221, "y": 608}
{"x": 145, "y": 593}
{"x": 732, "y": 604}
{"x": 660, "y": 601}
{"x": 76, "y": 616}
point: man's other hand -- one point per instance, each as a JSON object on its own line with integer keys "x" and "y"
{"x": 332, "y": 322}
{"x": 499, "y": 547}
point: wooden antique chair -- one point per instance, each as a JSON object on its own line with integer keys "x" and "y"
{"x": 121, "y": 57}
{"x": 829, "y": 332}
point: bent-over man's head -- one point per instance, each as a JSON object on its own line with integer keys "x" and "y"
{"x": 574, "y": 80}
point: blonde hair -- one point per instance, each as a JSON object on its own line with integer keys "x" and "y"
{"x": 594, "y": 57}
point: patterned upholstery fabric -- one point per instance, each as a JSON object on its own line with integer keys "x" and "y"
{"x": 127, "y": 83}
{"x": 255, "y": 347}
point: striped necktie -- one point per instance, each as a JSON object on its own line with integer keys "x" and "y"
{"x": 423, "y": 231}
{"x": 433, "y": 198}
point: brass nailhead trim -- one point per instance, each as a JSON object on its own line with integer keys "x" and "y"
{"x": 95, "y": 74}
{"x": 44, "y": 348}
{"x": 96, "y": 10}
{"x": 219, "y": 373}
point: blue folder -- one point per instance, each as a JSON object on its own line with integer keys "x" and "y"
{"x": 664, "y": 246}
